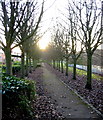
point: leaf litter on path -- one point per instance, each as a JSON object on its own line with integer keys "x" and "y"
{"x": 42, "y": 105}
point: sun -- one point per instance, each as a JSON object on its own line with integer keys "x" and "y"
{"x": 43, "y": 43}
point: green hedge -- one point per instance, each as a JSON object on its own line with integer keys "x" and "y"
{"x": 16, "y": 63}
{"x": 15, "y": 69}
{"x": 17, "y": 95}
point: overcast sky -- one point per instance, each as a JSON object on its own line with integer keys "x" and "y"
{"x": 51, "y": 12}
{"x": 53, "y": 8}
{"x": 57, "y": 7}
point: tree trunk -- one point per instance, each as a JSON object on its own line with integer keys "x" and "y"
{"x": 34, "y": 64}
{"x": 66, "y": 67}
{"x": 30, "y": 67}
{"x": 74, "y": 70}
{"x": 62, "y": 66}
{"x": 8, "y": 61}
{"x": 59, "y": 64}
{"x": 22, "y": 65}
{"x": 26, "y": 64}
{"x": 54, "y": 64}
{"x": 89, "y": 72}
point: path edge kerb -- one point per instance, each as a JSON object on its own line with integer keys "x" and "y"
{"x": 85, "y": 101}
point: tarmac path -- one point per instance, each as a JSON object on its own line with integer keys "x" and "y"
{"x": 67, "y": 102}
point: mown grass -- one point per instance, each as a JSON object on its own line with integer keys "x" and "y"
{"x": 83, "y": 72}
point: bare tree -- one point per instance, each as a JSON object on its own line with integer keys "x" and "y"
{"x": 13, "y": 19}
{"x": 67, "y": 51}
{"x": 62, "y": 43}
{"x": 59, "y": 49}
{"x": 90, "y": 30}
{"x": 27, "y": 36}
{"x": 74, "y": 42}
{"x": 50, "y": 54}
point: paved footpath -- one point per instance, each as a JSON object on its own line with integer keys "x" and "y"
{"x": 68, "y": 103}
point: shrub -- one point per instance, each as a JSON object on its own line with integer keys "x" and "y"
{"x": 16, "y": 62}
{"x": 3, "y": 69}
{"x": 17, "y": 95}
{"x": 15, "y": 69}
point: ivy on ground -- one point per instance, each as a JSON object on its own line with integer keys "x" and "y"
{"x": 17, "y": 95}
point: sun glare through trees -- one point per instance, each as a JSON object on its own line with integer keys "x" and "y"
{"x": 43, "y": 44}
{"x": 51, "y": 59}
